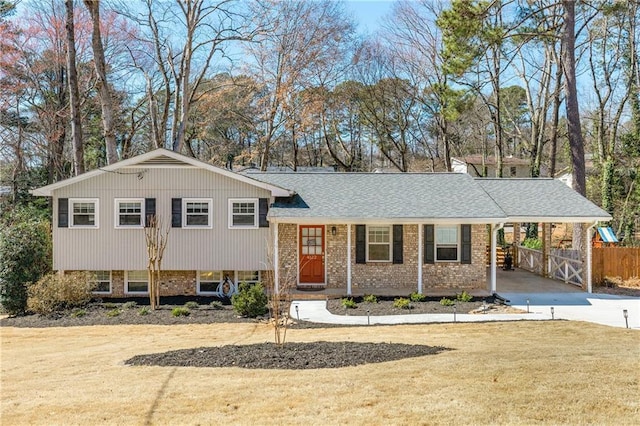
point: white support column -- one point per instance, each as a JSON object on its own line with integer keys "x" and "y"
{"x": 589, "y": 256}
{"x": 494, "y": 255}
{"x": 419, "y": 259}
{"x": 276, "y": 262}
{"x": 349, "y": 259}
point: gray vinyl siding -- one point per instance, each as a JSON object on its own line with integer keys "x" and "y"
{"x": 108, "y": 248}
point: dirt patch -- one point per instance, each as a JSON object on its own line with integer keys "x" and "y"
{"x": 291, "y": 356}
{"x": 620, "y": 287}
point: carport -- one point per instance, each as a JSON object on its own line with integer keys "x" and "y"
{"x": 521, "y": 281}
{"x": 544, "y": 201}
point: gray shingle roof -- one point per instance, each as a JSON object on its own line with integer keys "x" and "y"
{"x": 372, "y": 196}
{"x": 540, "y": 198}
{"x": 442, "y": 197}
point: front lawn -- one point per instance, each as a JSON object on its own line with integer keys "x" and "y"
{"x": 553, "y": 372}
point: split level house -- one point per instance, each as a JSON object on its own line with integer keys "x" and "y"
{"x": 348, "y": 232}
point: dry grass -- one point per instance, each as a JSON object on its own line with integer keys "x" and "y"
{"x": 498, "y": 373}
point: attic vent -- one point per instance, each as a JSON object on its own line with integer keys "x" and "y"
{"x": 164, "y": 161}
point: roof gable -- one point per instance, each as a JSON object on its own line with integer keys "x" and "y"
{"x": 161, "y": 158}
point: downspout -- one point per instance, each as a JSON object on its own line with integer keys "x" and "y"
{"x": 589, "y": 255}
{"x": 420, "y": 260}
{"x": 276, "y": 263}
{"x": 494, "y": 254}
{"x": 349, "y": 259}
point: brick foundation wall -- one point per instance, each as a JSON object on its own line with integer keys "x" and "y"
{"x": 386, "y": 275}
{"x": 458, "y": 276}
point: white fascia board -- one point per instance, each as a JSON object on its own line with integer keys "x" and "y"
{"x": 558, "y": 219}
{"x": 373, "y": 221}
{"x": 47, "y": 191}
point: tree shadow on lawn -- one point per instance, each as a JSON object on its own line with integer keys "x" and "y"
{"x": 290, "y": 356}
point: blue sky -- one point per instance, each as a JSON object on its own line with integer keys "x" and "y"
{"x": 368, "y": 13}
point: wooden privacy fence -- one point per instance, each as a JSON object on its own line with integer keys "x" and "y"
{"x": 623, "y": 262}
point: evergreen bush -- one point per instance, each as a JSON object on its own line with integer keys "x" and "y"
{"x": 250, "y": 301}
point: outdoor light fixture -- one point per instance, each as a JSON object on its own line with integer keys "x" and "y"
{"x": 625, "y": 313}
{"x": 333, "y": 231}
{"x": 552, "y": 317}
{"x": 368, "y": 319}
{"x": 527, "y": 305}
{"x": 298, "y": 312}
{"x": 454, "y": 313}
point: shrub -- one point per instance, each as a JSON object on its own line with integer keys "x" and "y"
{"x": 129, "y": 305}
{"x": 191, "y": 305}
{"x": 533, "y": 243}
{"x": 349, "y": 303}
{"x": 417, "y": 297}
{"x": 78, "y": 313}
{"x": 143, "y": 311}
{"x": 447, "y": 302}
{"x": 464, "y": 297}
{"x": 113, "y": 312}
{"x": 110, "y": 305}
{"x": 25, "y": 256}
{"x": 250, "y": 301}
{"x": 180, "y": 312}
{"x": 402, "y": 303}
{"x": 370, "y": 298}
{"x": 216, "y": 304}
{"x": 55, "y": 292}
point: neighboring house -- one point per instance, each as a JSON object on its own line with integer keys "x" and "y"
{"x": 354, "y": 232}
{"x": 473, "y": 165}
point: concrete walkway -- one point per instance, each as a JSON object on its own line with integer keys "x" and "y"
{"x": 597, "y": 308}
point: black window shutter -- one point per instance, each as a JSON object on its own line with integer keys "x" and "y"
{"x": 429, "y": 244}
{"x": 263, "y": 209}
{"x": 149, "y": 211}
{"x": 176, "y": 212}
{"x": 397, "y": 243}
{"x": 361, "y": 244}
{"x": 465, "y": 256}
{"x": 63, "y": 212}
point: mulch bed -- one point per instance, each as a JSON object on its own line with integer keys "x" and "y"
{"x": 385, "y": 306}
{"x": 290, "y": 356}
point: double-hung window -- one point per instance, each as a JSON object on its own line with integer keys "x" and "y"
{"x": 208, "y": 281}
{"x": 243, "y": 213}
{"x": 447, "y": 243}
{"x": 251, "y": 277}
{"x": 101, "y": 281}
{"x": 83, "y": 212}
{"x": 129, "y": 212}
{"x": 197, "y": 213}
{"x": 136, "y": 282}
{"x": 379, "y": 244}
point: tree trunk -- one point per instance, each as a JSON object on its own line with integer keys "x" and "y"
{"x": 106, "y": 100}
{"x": 576, "y": 143}
{"x": 74, "y": 93}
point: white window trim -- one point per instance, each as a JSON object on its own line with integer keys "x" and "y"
{"x": 116, "y": 212}
{"x": 209, "y": 202}
{"x": 390, "y": 243}
{"x": 235, "y": 278}
{"x": 126, "y": 286}
{"x": 110, "y": 285}
{"x": 256, "y": 212}
{"x": 435, "y": 243}
{"x": 198, "y": 291}
{"x": 95, "y": 201}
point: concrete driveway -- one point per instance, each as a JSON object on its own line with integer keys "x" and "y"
{"x": 606, "y": 309}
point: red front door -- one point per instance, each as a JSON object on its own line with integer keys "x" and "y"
{"x": 311, "y": 240}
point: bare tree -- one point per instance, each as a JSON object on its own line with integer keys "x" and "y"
{"x": 104, "y": 91}
{"x": 74, "y": 93}
{"x": 303, "y": 45}
{"x": 156, "y": 235}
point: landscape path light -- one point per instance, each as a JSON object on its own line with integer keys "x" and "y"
{"x": 527, "y": 305}
{"x": 298, "y": 312}
{"x": 552, "y": 312}
{"x": 625, "y": 313}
